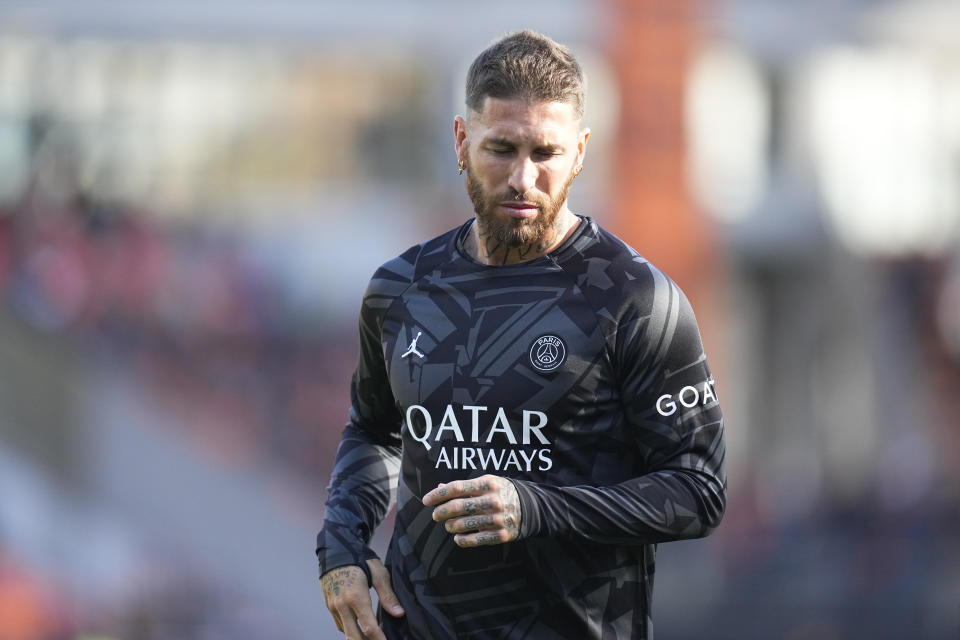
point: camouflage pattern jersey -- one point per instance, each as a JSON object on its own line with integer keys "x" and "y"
{"x": 580, "y": 376}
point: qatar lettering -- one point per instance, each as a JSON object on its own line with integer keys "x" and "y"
{"x": 480, "y": 438}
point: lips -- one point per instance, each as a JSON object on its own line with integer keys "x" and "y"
{"x": 520, "y": 209}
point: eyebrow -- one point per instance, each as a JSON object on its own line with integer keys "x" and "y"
{"x": 504, "y": 142}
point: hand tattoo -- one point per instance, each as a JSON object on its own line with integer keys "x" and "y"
{"x": 510, "y": 500}
{"x": 337, "y": 580}
{"x": 479, "y": 511}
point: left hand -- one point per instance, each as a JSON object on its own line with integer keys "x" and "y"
{"x": 480, "y": 511}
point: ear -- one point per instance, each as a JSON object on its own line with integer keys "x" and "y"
{"x": 460, "y": 137}
{"x": 582, "y": 138}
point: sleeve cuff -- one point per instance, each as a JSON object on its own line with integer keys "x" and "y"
{"x": 369, "y": 554}
{"x": 530, "y": 520}
{"x": 332, "y": 553}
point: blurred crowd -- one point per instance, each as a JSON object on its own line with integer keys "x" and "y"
{"x": 200, "y": 329}
{"x": 188, "y": 313}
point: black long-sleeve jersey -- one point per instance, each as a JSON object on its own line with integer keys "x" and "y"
{"x": 581, "y": 377}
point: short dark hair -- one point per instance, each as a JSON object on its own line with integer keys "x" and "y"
{"x": 528, "y": 65}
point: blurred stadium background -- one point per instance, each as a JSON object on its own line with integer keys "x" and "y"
{"x": 193, "y": 194}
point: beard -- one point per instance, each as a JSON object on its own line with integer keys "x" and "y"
{"x": 515, "y": 232}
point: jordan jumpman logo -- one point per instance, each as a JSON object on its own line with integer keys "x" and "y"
{"x": 413, "y": 347}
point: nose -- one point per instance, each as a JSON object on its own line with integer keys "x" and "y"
{"x": 523, "y": 175}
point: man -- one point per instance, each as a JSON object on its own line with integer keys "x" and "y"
{"x": 540, "y": 389}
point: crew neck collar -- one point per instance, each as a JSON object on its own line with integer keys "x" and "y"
{"x": 583, "y": 223}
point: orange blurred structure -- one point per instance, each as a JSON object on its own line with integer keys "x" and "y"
{"x": 652, "y": 210}
{"x": 27, "y": 610}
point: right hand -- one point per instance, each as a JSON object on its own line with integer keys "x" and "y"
{"x": 348, "y": 599}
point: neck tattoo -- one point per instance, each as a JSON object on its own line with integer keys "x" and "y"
{"x": 482, "y": 243}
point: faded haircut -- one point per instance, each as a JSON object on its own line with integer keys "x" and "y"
{"x": 527, "y": 65}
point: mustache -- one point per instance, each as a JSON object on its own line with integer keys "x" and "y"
{"x": 512, "y": 195}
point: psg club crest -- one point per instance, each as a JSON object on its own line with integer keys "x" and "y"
{"x": 547, "y": 353}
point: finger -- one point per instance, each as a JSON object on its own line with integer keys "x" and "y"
{"x": 350, "y": 628}
{"x": 368, "y": 625}
{"x": 350, "y": 602}
{"x": 381, "y": 584}
{"x": 332, "y": 608}
{"x": 442, "y": 493}
{"x": 358, "y": 620}
{"x": 481, "y": 539}
{"x": 457, "y": 489}
{"x": 474, "y": 523}
{"x": 466, "y": 507}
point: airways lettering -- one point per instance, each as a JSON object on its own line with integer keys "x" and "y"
{"x": 493, "y": 459}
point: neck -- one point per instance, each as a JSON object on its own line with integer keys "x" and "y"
{"x": 481, "y": 243}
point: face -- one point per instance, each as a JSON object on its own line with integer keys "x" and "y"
{"x": 520, "y": 157}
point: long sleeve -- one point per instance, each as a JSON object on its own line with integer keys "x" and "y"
{"x": 669, "y": 399}
{"x": 363, "y": 484}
